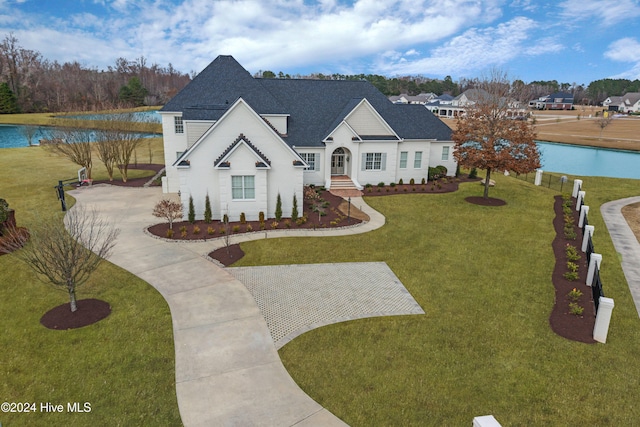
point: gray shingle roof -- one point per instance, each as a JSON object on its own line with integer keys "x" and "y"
{"x": 315, "y": 106}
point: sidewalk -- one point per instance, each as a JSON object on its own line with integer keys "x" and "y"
{"x": 228, "y": 371}
{"x": 625, "y": 243}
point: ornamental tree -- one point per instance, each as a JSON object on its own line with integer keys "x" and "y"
{"x": 64, "y": 255}
{"x": 169, "y": 210}
{"x": 488, "y": 137}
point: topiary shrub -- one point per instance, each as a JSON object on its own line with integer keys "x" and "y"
{"x": 400, "y": 182}
{"x": 207, "y": 210}
{"x": 243, "y": 218}
{"x": 412, "y": 181}
{"x": 294, "y": 210}
{"x": 278, "y": 208}
{"x": 192, "y": 211}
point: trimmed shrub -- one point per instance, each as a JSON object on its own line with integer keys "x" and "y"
{"x": 278, "y": 208}
{"x": 261, "y": 217}
{"x": 400, "y": 182}
{"x": 207, "y": 210}
{"x": 473, "y": 173}
{"x": 294, "y": 210}
{"x": 243, "y": 218}
{"x": 192, "y": 211}
{"x": 412, "y": 181}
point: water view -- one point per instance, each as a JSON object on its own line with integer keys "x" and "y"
{"x": 589, "y": 161}
{"x": 16, "y": 136}
{"x": 138, "y": 116}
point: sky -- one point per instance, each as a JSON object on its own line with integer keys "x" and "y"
{"x": 571, "y": 41}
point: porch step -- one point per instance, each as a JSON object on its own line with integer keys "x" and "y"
{"x": 342, "y": 183}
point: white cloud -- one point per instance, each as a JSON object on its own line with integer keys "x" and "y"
{"x": 607, "y": 13}
{"x": 476, "y": 49}
{"x": 626, "y": 50}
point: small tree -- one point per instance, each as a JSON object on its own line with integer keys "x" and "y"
{"x": 74, "y": 144}
{"x": 63, "y": 257}
{"x": 603, "y": 121}
{"x": 192, "y": 211}
{"x": 29, "y": 132}
{"x": 168, "y": 210}
{"x": 207, "y": 210}
{"x": 486, "y": 138}
{"x": 278, "y": 208}
{"x": 294, "y": 210}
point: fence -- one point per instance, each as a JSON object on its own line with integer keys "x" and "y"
{"x": 550, "y": 180}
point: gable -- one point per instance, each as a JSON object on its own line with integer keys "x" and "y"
{"x": 366, "y": 121}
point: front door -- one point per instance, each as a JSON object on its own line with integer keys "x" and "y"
{"x": 337, "y": 162}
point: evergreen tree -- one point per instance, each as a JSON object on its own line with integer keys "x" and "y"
{"x": 192, "y": 211}
{"x": 278, "y": 208}
{"x": 207, "y": 210}
{"x": 8, "y": 100}
{"x": 294, "y": 210}
{"x": 133, "y": 93}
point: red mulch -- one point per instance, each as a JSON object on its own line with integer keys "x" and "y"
{"x": 443, "y": 185}
{"x": 489, "y": 201}
{"x": 563, "y": 323}
{"x": 89, "y": 312}
{"x": 332, "y": 215}
{"x": 227, "y": 256}
{"x": 137, "y": 182}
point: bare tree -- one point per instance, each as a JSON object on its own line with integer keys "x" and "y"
{"x": 29, "y": 132}
{"x": 488, "y": 138}
{"x": 74, "y": 144}
{"x": 604, "y": 120}
{"x": 120, "y": 131}
{"x": 168, "y": 210}
{"x": 63, "y": 257}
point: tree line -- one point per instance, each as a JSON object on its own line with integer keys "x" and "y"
{"x": 30, "y": 83}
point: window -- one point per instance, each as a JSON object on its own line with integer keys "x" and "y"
{"x": 312, "y": 160}
{"x": 179, "y": 126}
{"x": 417, "y": 161}
{"x": 403, "y": 159}
{"x": 243, "y": 187}
{"x": 445, "y": 153}
{"x": 373, "y": 161}
{"x": 179, "y": 154}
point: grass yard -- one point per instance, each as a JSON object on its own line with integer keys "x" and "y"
{"x": 123, "y": 365}
{"x": 483, "y": 277}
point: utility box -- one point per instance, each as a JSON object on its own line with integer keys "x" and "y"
{"x": 486, "y": 421}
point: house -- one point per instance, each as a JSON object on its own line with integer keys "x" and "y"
{"x": 627, "y": 103}
{"x": 555, "y": 101}
{"x": 421, "y": 98}
{"x": 243, "y": 140}
{"x": 450, "y": 107}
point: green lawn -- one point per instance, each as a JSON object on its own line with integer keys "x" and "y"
{"x": 483, "y": 277}
{"x": 123, "y": 366}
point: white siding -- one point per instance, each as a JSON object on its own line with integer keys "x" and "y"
{"x": 436, "y": 157}
{"x": 195, "y": 129}
{"x": 366, "y": 122}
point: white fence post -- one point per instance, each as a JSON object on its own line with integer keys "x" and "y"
{"x": 538, "y": 179}
{"x": 584, "y": 211}
{"x": 603, "y": 318}
{"x": 588, "y": 231}
{"x": 580, "y": 199}
{"x": 577, "y": 184}
{"x": 595, "y": 261}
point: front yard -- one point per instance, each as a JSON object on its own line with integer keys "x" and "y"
{"x": 483, "y": 277}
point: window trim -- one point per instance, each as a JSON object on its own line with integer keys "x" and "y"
{"x": 243, "y": 188}
{"x": 417, "y": 160}
{"x": 314, "y": 164}
{"x": 445, "y": 153}
{"x": 178, "y": 125}
{"x": 404, "y": 158}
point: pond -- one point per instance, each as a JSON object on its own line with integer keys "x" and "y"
{"x": 15, "y": 136}
{"x": 138, "y": 116}
{"x": 589, "y": 161}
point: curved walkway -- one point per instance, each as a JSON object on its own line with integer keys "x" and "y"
{"x": 228, "y": 372}
{"x": 625, "y": 243}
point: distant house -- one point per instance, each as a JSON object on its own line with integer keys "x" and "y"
{"x": 243, "y": 140}
{"x": 403, "y": 98}
{"x": 450, "y": 107}
{"x": 555, "y": 101}
{"x": 627, "y": 103}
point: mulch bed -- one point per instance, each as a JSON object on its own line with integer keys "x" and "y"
{"x": 89, "y": 312}
{"x": 333, "y": 215}
{"x": 137, "y": 182}
{"x": 489, "y": 201}
{"x": 443, "y": 185}
{"x": 227, "y": 256}
{"x": 563, "y": 323}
